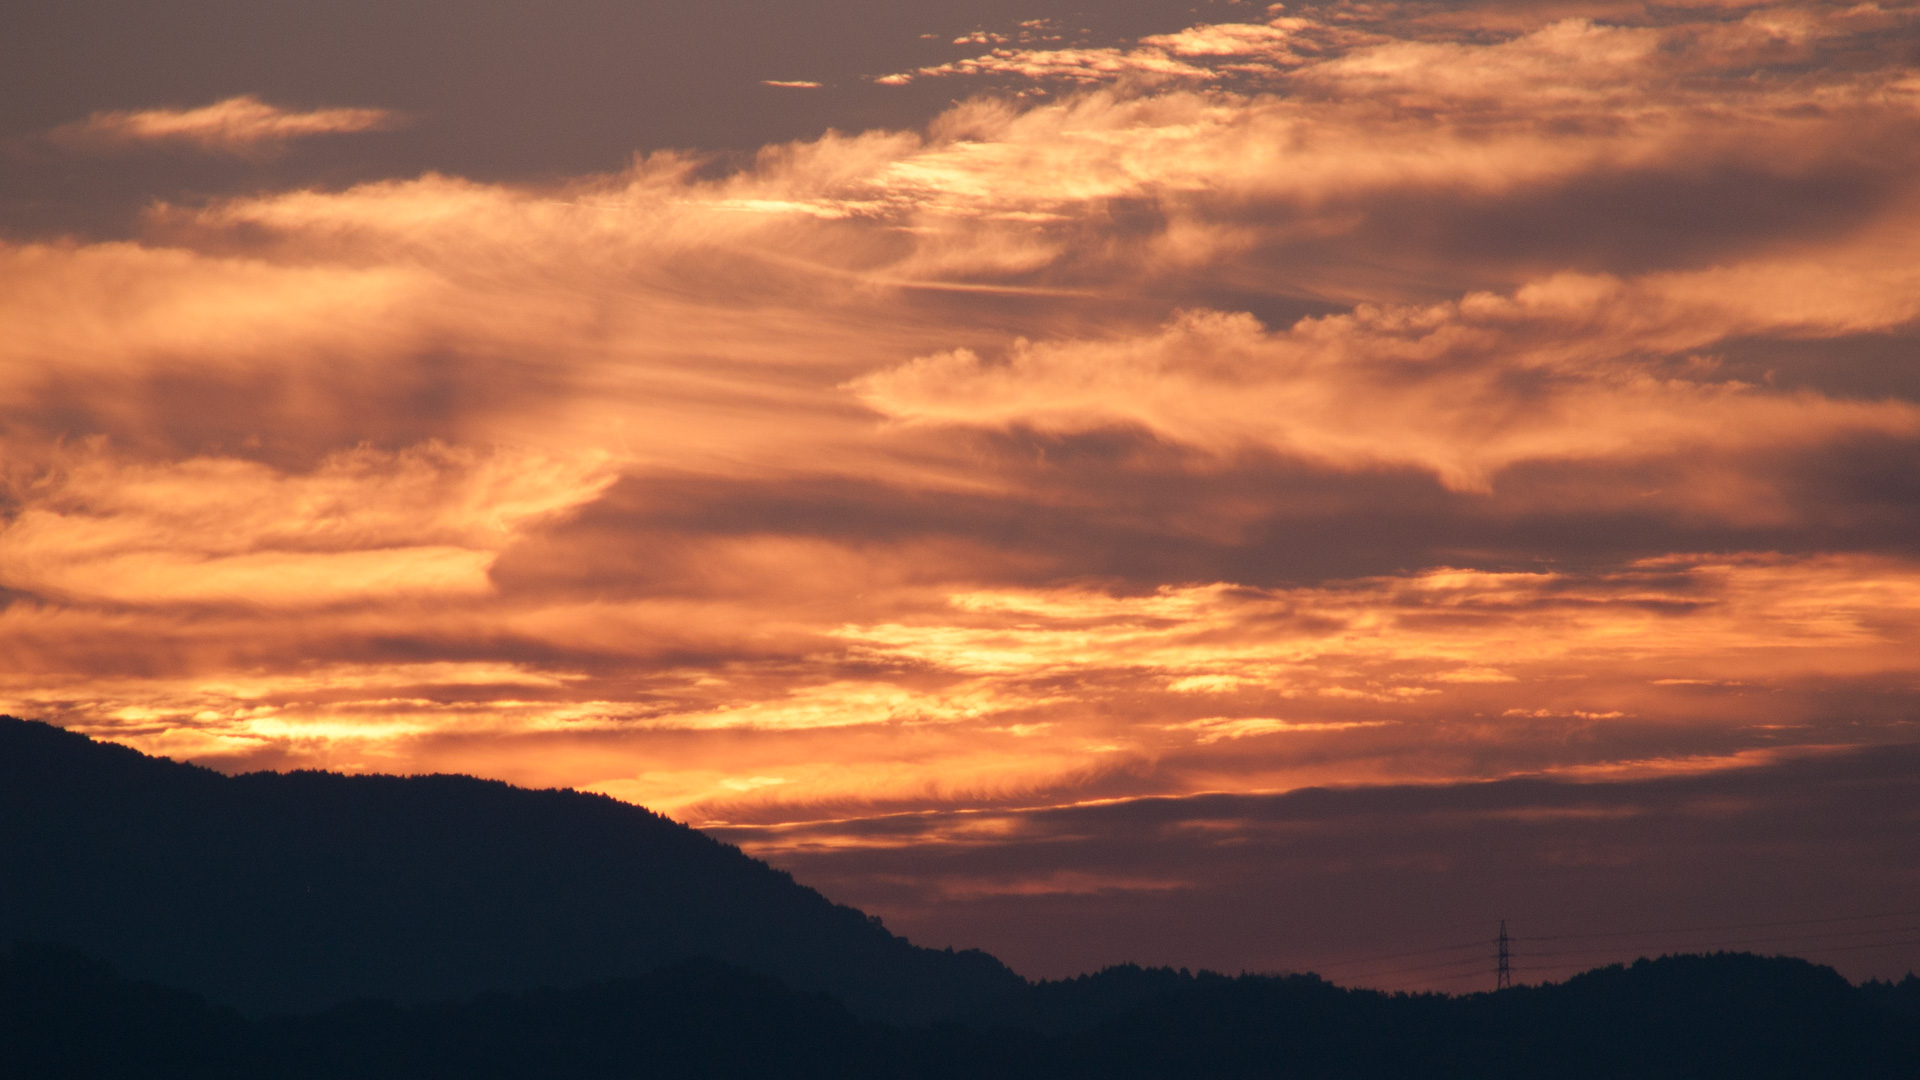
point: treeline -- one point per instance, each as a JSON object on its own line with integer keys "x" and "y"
{"x": 63, "y": 1015}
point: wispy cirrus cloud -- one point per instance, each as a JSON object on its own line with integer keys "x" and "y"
{"x": 242, "y": 125}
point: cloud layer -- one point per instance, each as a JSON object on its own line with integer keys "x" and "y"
{"x": 1412, "y": 394}
{"x": 1757, "y": 859}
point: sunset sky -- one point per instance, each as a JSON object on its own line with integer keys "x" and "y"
{"x": 989, "y": 458}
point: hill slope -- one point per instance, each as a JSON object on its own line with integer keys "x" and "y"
{"x": 1682, "y": 1018}
{"x": 287, "y": 892}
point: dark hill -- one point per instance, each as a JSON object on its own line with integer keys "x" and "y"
{"x": 1675, "y": 1018}
{"x": 65, "y": 1017}
{"x": 289, "y": 892}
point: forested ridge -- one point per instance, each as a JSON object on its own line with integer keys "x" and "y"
{"x": 163, "y": 920}
{"x": 296, "y": 891}
{"x": 1723, "y": 1016}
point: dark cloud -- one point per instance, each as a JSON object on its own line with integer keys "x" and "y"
{"x": 1321, "y": 879}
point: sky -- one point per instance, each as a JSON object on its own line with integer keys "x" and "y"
{"x": 1257, "y": 487}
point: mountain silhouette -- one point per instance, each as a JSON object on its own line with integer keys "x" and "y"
{"x": 168, "y": 921}
{"x": 1719, "y": 1016}
{"x": 293, "y": 892}
{"x": 64, "y": 1016}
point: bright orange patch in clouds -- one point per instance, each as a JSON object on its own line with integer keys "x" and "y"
{"x": 1326, "y": 400}
{"x": 239, "y": 125}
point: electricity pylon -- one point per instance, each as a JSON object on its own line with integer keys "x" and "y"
{"x": 1503, "y": 970}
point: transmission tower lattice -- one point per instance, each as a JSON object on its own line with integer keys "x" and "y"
{"x": 1503, "y": 969}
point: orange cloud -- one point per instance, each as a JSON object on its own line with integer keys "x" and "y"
{"x": 364, "y": 526}
{"x": 237, "y": 125}
{"x": 1441, "y": 387}
{"x": 1033, "y": 696}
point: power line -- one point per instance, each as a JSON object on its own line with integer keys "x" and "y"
{"x": 1509, "y": 948}
{"x": 1477, "y": 962}
{"x": 1600, "y": 949}
{"x": 1869, "y": 945}
{"x": 1402, "y": 955}
{"x": 1400, "y": 986}
{"x": 1551, "y": 968}
{"x": 1480, "y": 960}
{"x": 1397, "y": 980}
{"x": 1730, "y": 926}
{"x": 1821, "y": 949}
